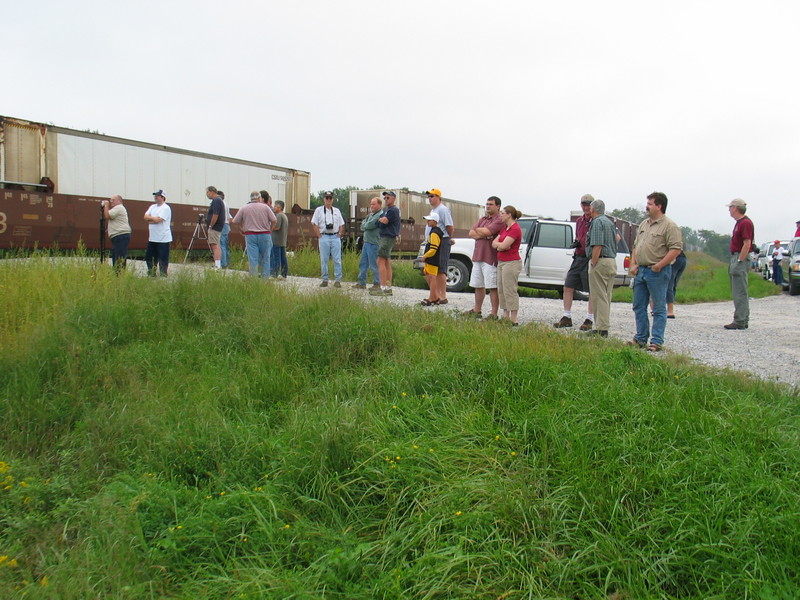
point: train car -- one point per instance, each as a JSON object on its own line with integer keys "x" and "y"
{"x": 52, "y": 180}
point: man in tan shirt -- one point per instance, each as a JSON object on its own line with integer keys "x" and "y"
{"x": 658, "y": 243}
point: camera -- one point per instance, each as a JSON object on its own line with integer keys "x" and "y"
{"x": 201, "y": 217}
{"x": 576, "y": 244}
{"x": 329, "y": 226}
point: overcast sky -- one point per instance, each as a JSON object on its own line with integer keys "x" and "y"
{"x": 535, "y": 102}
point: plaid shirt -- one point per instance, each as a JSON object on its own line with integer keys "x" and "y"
{"x": 602, "y": 232}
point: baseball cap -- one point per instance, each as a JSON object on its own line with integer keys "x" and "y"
{"x": 738, "y": 203}
{"x": 160, "y": 193}
{"x": 434, "y": 192}
{"x": 389, "y": 193}
{"x": 587, "y": 199}
{"x": 431, "y": 217}
{"x": 777, "y": 242}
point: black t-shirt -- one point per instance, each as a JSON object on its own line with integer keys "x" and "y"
{"x": 217, "y": 207}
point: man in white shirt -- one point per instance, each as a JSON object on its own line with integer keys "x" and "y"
{"x": 777, "y": 258}
{"x": 158, "y": 217}
{"x": 328, "y": 226}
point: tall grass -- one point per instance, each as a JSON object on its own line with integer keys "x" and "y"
{"x": 233, "y": 439}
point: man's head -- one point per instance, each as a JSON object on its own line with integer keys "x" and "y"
{"x": 327, "y": 198}
{"x": 737, "y": 207}
{"x": 656, "y": 205}
{"x": 279, "y": 206}
{"x": 255, "y": 196}
{"x": 266, "y": 198}
{"x": 160, "y": 196}
{"x": 375, "y": 204}
{"x": 598, "y": 207}
{"x": 434, "y": 197}
{"x": 115, "y": 200}
{"x": 493, "y": 204}
{"x": 211, "y": 192}
{"x": 221, "y": 194}
{"x": 586, "y": 203}
{"x": 389, "y": 197}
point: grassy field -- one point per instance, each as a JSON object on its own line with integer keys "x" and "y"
{"x": 227, "y": 439}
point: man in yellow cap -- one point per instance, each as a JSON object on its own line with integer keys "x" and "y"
{"x": 447, "y": 227}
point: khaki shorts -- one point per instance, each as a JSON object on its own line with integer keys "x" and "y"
{"x": 385, "y": 245}
{"x": 213, "y": 237}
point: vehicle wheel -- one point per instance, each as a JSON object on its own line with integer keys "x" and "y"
{"x": 794, "y": 287}
{"x": 457, "y": 276}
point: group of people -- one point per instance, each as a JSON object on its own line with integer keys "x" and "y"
{"x": 264, "y": 225}
{"x": 657, "y": 263}
{"x": 381, "y": 228}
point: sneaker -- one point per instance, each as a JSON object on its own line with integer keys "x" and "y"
{"x": 337, "y": 284}
{"x": 323, "y": 284}
{"x": 597, "y": 332}
{"x": 564, "y": 322}
{"x": 587, "y": 325}
{"x": 734, "y": 326}
{"x": 359, "y": 286}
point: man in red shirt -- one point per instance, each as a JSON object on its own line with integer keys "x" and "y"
{"x": 484, "y": 259}
{"x": 578, "y": 274}
{"x": 741, "y": 240}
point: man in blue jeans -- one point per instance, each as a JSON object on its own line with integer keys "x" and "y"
{"x": 369, "y": 250}
{"x": 328, "y": 226}
{"x": 658, "y": 243}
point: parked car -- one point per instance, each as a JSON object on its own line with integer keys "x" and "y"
{"x": 765, "y": 257}
{"x": 547, "y": 252}
{"x": 791, "y": 267}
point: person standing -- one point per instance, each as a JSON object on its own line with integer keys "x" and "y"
{"x": 741, "y": 240}
{"x": 224, "y": 259}
{"x": 447, "y": 226}
{"x": 431, "y": 258}
{"x": 328, "y": 226}
{"x": 658, "y": 243}
{"x": 280, "y": 237}
{"x": 158, "y": 218}
{"x": 602, "y": 246}
{"x": 484, "y": 259}
{"x": 255, "y": 220}
{"x": 797, "y": 229}
{"x": 216, "y": 222}
{"x": 389, "y": 229}
{"x": 578, "y": 274}
{"x": 777, "y": 257}
{"x": 509, "y": 263}
{"x": 369, "y": 249}
{"x": 119, "y": 230}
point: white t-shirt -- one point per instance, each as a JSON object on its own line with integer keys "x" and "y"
{"x": 160, "y": 232}
{"x": 323, "y": 217}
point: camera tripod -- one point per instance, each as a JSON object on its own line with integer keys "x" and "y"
{"x": 200, "y": 233}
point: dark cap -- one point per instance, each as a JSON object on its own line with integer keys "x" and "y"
{"x": 389, "y": 193}
{"x": 160, "y": 193}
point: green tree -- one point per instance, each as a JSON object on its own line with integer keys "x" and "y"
{"x": 630, "y": 214}
{"x": 691, "y": 240}
{"x": 341, "y": 199}
{"x": 715, "y": 244}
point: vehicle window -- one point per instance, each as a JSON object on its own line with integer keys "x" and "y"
{"x": 553, "y": 235}
{"x": 622, "y": 246}
{"x": 796, "y": 249}
{"x": 525, "y": 225}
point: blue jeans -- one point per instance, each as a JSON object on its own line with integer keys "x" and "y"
{"x": 157, "y": 253}
{"x": 647, "y": 285}
{"x": 330, "y": 246}
{"x": 119, "y": 251}
{"x": 369, "y": 260}
{"x": 678, "y": 267}
{"x": 280, "y": 265}
{"x": 777, "y": 272}
{"x": 259, "y": 253}
{"x": 223, "y": 245}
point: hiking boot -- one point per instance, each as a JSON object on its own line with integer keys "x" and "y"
{"x": 564, "y": 322}
{"x": 359, "y": 286}
{"x": 323, "y": 284}
{"x": 586, "y": 325}
{"x": 375, "y": 286}
{"x": 337, "y": 284}
{"x": 734, "y": 326}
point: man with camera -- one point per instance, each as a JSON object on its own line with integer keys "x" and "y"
{"x": 578, "y": 274}
{"x": 119, "y": 230}
{"x": 328, "y": 226}
{"x": 255, "y": 220}
{"x": 158, "y": 218}
{"x": 216, "y": 223}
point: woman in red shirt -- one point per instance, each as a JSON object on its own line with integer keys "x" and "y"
{"x": 509, "y": 263}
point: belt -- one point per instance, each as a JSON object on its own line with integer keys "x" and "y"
{"x": 256, "y": 232}
{"x": 330, "y": 234}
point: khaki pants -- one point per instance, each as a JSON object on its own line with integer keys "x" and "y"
{"x": 737, "y": 271}
{"x": 507, "y": 276}
{"x": 601, "y": 284}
